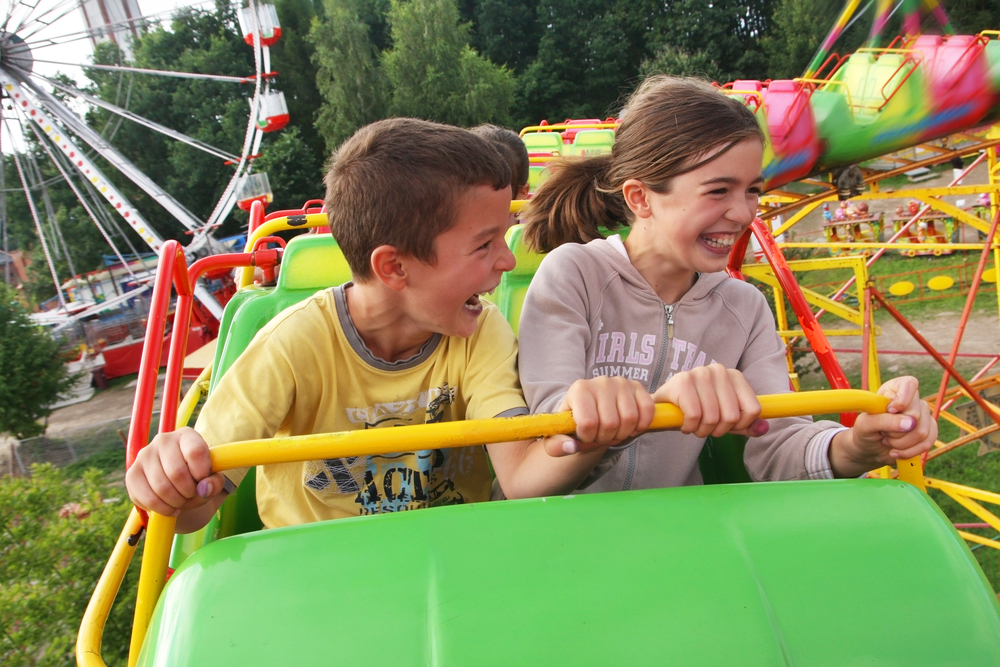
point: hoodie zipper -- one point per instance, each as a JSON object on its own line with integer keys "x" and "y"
{"x": 668, "y": 312}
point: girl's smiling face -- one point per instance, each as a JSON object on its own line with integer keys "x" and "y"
{"x": 692, "y": 227}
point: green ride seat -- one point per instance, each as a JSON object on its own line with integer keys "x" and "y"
{"x": 593, "y": 142}
{"x": 311, "y": 262}
{"x": 721, "y": 459}
{"x": 537, "y": 174}
{"x": 543, "y": 142}
{"x": 843, "y": 572}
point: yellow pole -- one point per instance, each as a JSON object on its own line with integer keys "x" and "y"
{"x": 88, "y": 641}
{"x": 152, "y": 577}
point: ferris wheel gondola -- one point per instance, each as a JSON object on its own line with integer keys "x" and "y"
{"x": 28, "y": 28}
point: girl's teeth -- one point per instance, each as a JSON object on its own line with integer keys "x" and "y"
{"x": 720, "y": 242}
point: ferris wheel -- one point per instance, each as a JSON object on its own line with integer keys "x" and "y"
{"x": 33, "y": 106}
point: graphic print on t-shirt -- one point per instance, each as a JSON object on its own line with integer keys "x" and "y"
{"x": 395, "y": 482}
{"x": 634, "y": 356}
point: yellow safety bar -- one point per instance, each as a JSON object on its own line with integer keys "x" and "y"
{"x": 436, "y": 436}
{"x": 88, "y": 641}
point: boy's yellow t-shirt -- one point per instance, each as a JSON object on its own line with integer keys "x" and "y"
{"x": 308, "y": 371}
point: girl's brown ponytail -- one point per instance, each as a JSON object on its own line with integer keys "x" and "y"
{"x": 573, "y": 204}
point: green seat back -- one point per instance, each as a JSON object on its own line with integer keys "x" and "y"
{"x": 537, "y": 174}
{"x": 845, "y": 572}
{"x": 593, "y": 142}
{"x": 543, "y": 142}
{"x": 311, "y": 262}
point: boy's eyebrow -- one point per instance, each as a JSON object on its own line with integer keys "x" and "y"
{"x": 487, "y": 233}
{"x": 730, "y": 180}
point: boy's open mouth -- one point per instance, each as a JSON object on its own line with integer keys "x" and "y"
{"x": 719, "y": 240}
{"x": 473, "y": 302}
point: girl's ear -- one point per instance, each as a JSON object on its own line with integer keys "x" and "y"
{"x": 636, "y": 194}
{"x": 388, "y": 267}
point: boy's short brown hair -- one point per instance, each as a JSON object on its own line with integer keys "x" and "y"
{"x": 513, "y": 150}
{"x": 396, "y": 182}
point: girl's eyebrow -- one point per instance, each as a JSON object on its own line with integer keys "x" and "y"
{"x": 730, "y": 180}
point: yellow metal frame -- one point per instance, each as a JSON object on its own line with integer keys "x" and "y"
{"x": 966, "y": 496}
{"x": 88, "y": 640}
{"x": 762, "y": 272}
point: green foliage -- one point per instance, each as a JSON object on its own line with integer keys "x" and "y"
{"x": 429, "y": 71}
{"x": 507, "y": 32}
{"x": 722, "y": 32}
{"x": 294, "y": 171}
{"x": 292, "y": 56}
{"x": 348, "y": 75}
{"x": 798, "y": 27}
{"x": 33, "y": 374}
{"x": 671, "y": 60}
{"x": 435, "y": 74}
{"x": 57, "y": 536}
{"x": 589, "y": 54}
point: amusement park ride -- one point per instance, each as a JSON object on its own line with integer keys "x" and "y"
{"x": 769, "y": 573}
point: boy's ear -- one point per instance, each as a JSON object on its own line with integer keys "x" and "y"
{"x": 387, "y": 265}
{"x": 636, "y": 194}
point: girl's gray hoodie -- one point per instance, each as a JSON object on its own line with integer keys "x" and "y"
{"x": 589, "y": 312}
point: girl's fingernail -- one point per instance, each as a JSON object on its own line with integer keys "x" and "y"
{"x": 204, "y": 488}
{"x": 570, "y": 447}
{"x": 906, "y": 423}
{"x": 760, "y": 427}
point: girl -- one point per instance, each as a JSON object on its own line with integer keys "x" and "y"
{"x": 606, "y": 321}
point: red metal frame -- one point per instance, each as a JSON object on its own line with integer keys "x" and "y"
{"x": 973, "y": 394}
{"x": 172, "y": 272}
{"x": 814, "y": 333}
{"x": 969, "y": 302}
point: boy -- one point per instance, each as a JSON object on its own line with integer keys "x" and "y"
{"x": 420, "y": 211}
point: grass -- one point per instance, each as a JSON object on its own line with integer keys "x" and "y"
{"x": 828, "y": 281}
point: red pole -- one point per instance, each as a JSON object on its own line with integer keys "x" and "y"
{"x": 973, "y": 394}
{"x": 814, "y": 333}
{"x": 149, "y": 364}
{"x": 969, "y": 302}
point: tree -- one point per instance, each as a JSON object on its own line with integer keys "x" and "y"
{"x": 434, "y": 73}
{"x": 32, "y": 371}
{"x": 293, "y": 57}
{"x": 58, "y": 534}
{"x": 589, "y": 54}
{"x": 724, "y": 33}
{"x": 506, "y": 32}
{"x": 797, "y": 29}
{"x": 348, "y": 74}
{"x": 283, "y": 160}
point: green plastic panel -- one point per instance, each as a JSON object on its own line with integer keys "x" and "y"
{"x": 873, "y": 106}
{"x": 849, "y": 572}
{"x": 543, "y": 142}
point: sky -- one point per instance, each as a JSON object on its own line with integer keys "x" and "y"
{"x": 78, "y": 50}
